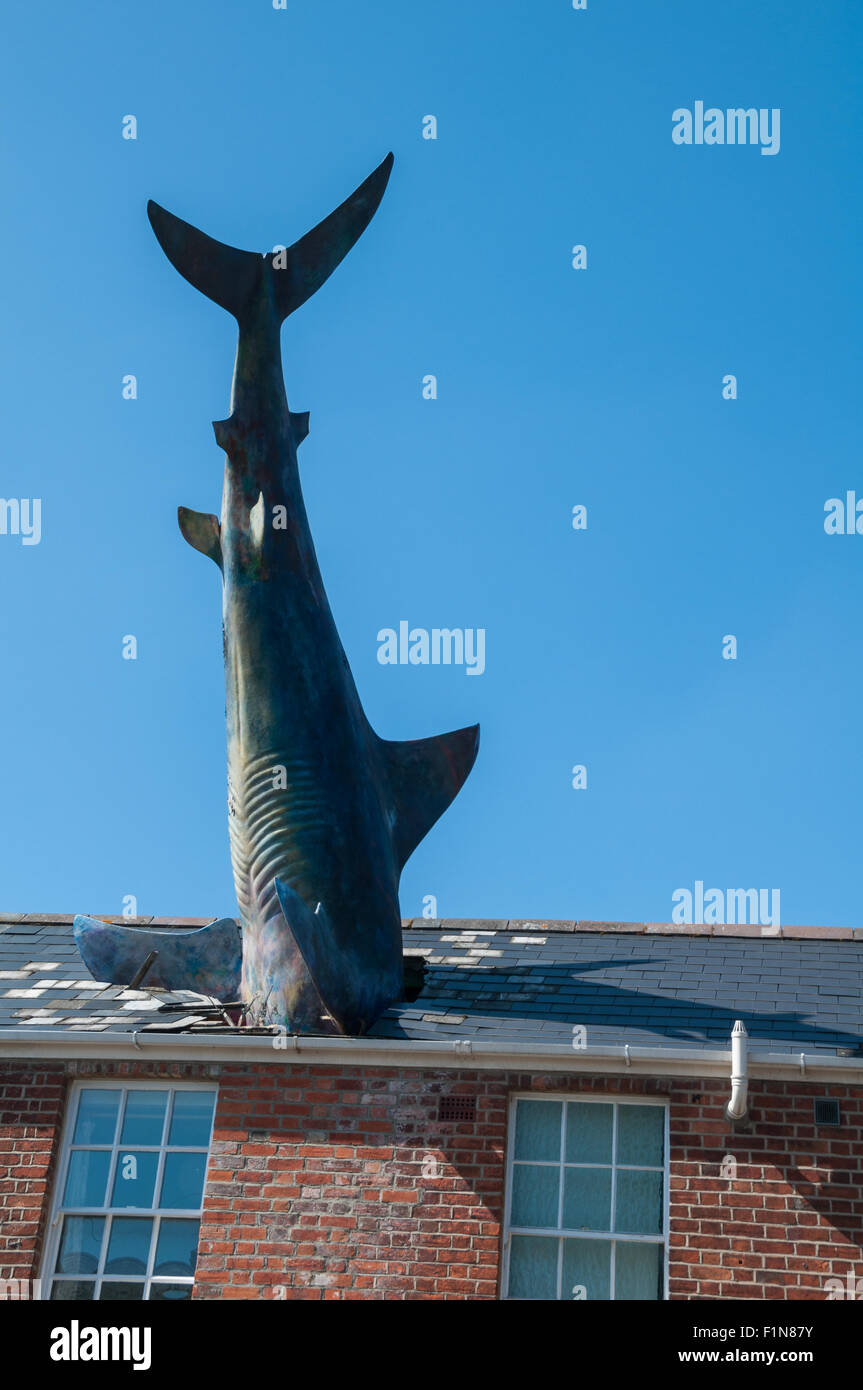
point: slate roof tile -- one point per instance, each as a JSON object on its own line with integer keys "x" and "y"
{"x": 523, "y": 980}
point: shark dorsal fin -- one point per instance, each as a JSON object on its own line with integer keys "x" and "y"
{"x": 202, "y": 530}
{"x": 424, "y": 776}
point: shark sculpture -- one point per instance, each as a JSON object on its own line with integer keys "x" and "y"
{"x": 323, "y": 813}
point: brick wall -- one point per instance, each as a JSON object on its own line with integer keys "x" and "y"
{"x": 31, "y": 1114}
{"x": 333, "y": 1182}
{"x": 342, "y": 1182}
{"x": 790, "y": 1218}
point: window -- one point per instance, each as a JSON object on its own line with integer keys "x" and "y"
{"x": 130, "y": 1189}
{"x": 586, "y": 1200}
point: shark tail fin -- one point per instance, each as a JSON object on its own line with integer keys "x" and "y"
{"x": 233, "y": 278}
{"x": 425, "y": 775}
{"x": 223, "y": 273}
{"x": 312, "y": 259}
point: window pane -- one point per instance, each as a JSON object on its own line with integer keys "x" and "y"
{"x": 537, "y": 1129}
{"x": 169, "y": 1293}
{"x": 72, "y": 1291}
{"x": 117, "y": 1291}
{"x": 134, "y": 1179}
{"x": 533, "y": 1267}
{"x": 587, "y": 1199}
{"x": 640, "y": 1134}
{"x": 637, "y": 1271}
{"x": 192, "y": 1119}
{"x": 535, "y": 1190}
{"x": 183, "y": 1180}
{"x": 588, "y": 1132}
{"x": 638, "y": 1202}
{"x": 87, "y": 1178}
{"x": 96, "y": 1121}
{"x": 128, "y": 1245}
{"x": 177, "y": 1247}
{"x": 144, "y": 1119}
{"x": 586, "y": 1269}
{"x": 80, "y": 1245}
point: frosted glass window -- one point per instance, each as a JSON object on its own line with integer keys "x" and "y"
{"x": 640, "y": 1134}
{"x": 130, "y": 1193}
{"x": 638, "y": 1201}
{"x": 533, "y": 1267}
{"x": 587, "y": 1199}
{"x": 586, "y": 1270}
{"x": 589, "y": 1132}
{"x": 537, "y": 1133}
{"x": 535, "y": 1190}
{"x": 586, "y": 1211}
{"x": 638, "y": 1272}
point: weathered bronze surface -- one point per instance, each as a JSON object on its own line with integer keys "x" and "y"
{"x": 206, "y": 960}
{"x": 323, "y": 813}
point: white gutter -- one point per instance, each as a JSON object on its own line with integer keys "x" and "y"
{"x": 54, "y": 1043}
{"x": 737, "y": 1105}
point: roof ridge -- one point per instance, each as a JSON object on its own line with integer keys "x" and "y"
{"x": 479, "y": 925}
{"x": 466, "y": 925}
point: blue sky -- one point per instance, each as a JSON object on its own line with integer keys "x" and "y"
{"x": 555, "y": 387}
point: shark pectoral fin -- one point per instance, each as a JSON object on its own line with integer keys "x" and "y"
{"x": 425, "y": 775}
{"x": 201, "y": 530}
{"x": 299, "y": 425}
{"x": 325, "y": 963}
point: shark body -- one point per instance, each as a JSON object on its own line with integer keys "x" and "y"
{"x": 322, "y": 812}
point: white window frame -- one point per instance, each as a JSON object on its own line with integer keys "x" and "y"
{"x": 125, "y": 1085}
{"x": 561, "y": 1233}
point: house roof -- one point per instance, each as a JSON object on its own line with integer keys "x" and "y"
{"x": 643, "y": 984}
